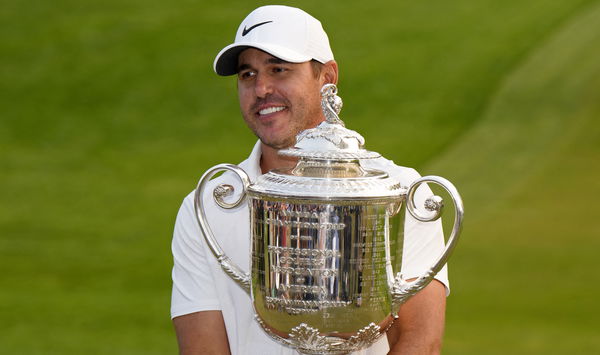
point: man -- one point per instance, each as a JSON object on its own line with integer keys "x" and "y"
{"x": 282, "y": 58}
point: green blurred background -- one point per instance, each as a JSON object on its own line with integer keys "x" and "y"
{"x": 110, "y": 112}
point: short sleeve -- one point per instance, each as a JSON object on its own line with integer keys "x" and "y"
{"x": 193, "y": 283}
{"x": 423, "y": 244}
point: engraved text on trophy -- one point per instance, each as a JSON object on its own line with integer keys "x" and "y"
{"x": 319, "y": 257}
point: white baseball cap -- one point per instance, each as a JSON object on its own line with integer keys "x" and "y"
{"x": 284, "y": 32}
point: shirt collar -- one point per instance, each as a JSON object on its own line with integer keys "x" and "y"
{"x": 252, "y": 164}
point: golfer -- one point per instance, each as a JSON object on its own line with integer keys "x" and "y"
{"x": 282, "y": 57}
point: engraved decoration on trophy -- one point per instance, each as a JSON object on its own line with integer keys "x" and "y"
{"x": 325, "y": 236}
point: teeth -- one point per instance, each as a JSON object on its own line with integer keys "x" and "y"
{"x": 269, "y": 110}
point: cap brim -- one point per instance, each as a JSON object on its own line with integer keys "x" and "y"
{"x": 226, "y": 62}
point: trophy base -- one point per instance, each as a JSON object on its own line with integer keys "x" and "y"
{"x": 309, "y": 341}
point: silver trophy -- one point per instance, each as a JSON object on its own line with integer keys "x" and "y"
{"x": 326, "y": 236}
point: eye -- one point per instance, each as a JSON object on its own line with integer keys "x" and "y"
{"x": 279, "y": 69}
{"x": 246, "y": 74}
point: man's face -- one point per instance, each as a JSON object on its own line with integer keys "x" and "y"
{"x": 278, "y": 99}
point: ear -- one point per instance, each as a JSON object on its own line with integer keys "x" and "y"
{"x": 329, "y": 73}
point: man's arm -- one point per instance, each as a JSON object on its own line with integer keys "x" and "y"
{"x": 201, "y": 333}
{"x": 420, "y": 325}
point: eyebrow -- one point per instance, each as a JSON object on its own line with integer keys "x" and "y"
{"x": 270, "y": 60}
{"x": 242, "y": 67}
{"x": 273, "y": 60}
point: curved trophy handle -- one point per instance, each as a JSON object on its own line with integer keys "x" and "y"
{"x": 402, "y": 290}
{"x": 230, "y": 268}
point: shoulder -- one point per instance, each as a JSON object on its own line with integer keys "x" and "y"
{"x": 405, "y": 175}
{"x": 250, "y": 165}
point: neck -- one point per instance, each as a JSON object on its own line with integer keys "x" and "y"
{"x": 270, "y": 160}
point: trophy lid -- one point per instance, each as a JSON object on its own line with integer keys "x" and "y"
{"x": 328, "y": 163}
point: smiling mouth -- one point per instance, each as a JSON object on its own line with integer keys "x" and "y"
{"x": 270, "y": 110}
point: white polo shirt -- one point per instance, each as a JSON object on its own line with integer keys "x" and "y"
{"x": 199, "y": 283}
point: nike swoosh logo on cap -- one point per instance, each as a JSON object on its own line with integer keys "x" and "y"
{"x": 246, "y": 31}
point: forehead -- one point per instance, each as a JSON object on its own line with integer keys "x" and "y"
{"x": 253, "y": 57}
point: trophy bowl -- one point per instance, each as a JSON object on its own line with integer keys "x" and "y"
{"x": 323, "y": 237}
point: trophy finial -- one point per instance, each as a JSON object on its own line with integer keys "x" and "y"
{"x": 331, "y": 104}
{"x": 330, "y": 139}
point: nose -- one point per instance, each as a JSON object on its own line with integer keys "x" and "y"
{"x": 263, "y": 85}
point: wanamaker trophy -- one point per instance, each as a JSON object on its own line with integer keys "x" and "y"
{"x": 323, "y": 236}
